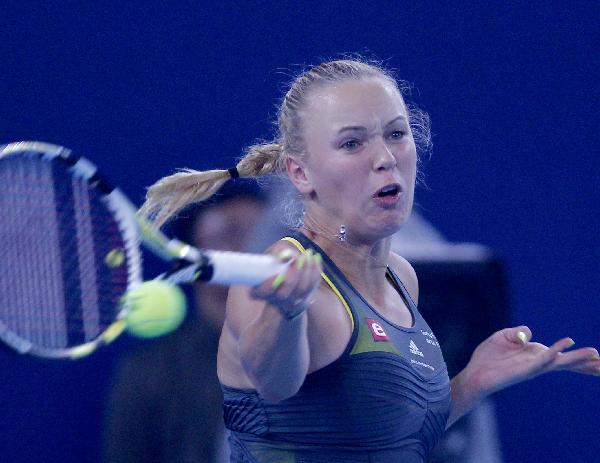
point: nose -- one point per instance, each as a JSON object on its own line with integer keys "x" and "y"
{"x": 384, "y": 158}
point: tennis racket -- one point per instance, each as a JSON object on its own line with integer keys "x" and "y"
{"x": 70, "y": 250}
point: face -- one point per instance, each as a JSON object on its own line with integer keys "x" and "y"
{"x": 226, "y": 226}
{"x": 361, "y": 158}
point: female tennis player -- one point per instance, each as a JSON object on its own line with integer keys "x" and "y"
{"x": 331, "y": 360}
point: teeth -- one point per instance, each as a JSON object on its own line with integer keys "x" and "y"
{"x": 388, "y": 190}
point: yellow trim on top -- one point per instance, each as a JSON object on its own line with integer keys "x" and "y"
{"x": 302, "y": 249}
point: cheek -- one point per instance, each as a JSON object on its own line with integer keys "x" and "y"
{"x": 338, "y": 176}
{"x": 351, "y": 180}
{"x": 407, "y": 162}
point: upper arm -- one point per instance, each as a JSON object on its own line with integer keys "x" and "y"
{"x": 407, "y": 275}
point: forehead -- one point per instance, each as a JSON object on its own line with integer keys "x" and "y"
{"x": 355, "y": 101}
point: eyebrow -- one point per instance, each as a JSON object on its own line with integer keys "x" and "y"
{"x": 360, "y": 128}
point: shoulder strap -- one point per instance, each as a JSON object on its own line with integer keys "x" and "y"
{"x": 403, "y": 291}
{"x": 294, "y": 241}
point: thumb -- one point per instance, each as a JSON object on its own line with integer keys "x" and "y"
{"x": 518, "y": 335}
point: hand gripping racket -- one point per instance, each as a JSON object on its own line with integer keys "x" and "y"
{"x": 69, "y": 251}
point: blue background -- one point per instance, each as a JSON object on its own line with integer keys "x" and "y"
{"x": 512, "y": 90}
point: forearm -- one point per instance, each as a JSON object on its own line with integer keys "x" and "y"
{"x": 467, "y": 393}
{"x": 274, "y": 353}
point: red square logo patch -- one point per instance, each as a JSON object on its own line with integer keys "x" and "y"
{"x": 377, "y": 330}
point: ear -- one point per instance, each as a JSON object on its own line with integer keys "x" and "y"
{"x": 298, "y": 174}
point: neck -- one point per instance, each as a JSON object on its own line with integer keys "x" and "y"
{"x": 364, "y": 263}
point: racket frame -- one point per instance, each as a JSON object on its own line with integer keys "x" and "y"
{"x": 132, "y": 227}
{"x": 219, "y": 267}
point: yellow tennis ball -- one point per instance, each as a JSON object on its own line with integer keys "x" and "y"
{"x": 114, "y": 258}
{"x": 154, "y": 309}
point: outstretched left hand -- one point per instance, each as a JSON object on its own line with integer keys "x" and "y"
{"x": 508, "y": 357}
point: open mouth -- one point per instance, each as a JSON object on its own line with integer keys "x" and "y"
{"x": 388, "y": 191}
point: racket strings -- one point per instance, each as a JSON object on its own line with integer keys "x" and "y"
{"x": 27, "y": 235}
{"x": 56, "y": 290}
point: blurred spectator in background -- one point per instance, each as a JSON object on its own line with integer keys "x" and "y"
{"x": 166, "y": 403}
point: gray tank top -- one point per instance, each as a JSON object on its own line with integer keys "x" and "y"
{"x": 386, "y": 398}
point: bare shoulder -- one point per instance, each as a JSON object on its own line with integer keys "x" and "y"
{"x": 407, "y": 274}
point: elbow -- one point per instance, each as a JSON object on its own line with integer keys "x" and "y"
{"x": 276, "y": 386}
{"x": 275, "y": 395}
{"x": 274, "y": 382}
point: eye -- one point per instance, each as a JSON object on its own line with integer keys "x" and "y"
{"x": 350, "y": 145}
{"x": 397, "y": 134}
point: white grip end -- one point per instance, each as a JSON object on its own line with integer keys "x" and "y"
{"x": 246, "y": 269}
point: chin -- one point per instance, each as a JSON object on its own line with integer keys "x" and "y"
{"x": 392, "y": 229}
{"x": 382, "y": 224}
{"x": 396, "y": 219}
{"x": 385, "y": 229}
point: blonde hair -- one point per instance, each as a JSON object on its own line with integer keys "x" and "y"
{"x": 171, "y": 194}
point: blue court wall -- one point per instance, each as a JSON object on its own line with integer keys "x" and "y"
{"x": 512, "y": 90}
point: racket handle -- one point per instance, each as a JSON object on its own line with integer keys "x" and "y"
{"x": 229, "y": 268}
{"x": 239, "y": 268}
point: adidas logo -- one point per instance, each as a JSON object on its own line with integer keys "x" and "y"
{"x": 414, "y": 349}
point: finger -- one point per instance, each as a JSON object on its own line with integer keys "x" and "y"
{"x": 314, "y": 269}
{"x": 591, "y": 367}
{"x": 294, "y": 295}
{"x": 292, "y": 289}
{"x": 269, "y": 287}
{"x": 286, "y": 283}
{"x": 560, "y": 346}
{"x": 285, "y": 255}
{"x": 318, "y": 262}
{"x": 549, "y": 358}
{"x": 580, "y": 358}
{"x": 296, "y": 283}
{"x": 519, "y": 334}
{"x": 309, "y": 275}
{"x": 290, "y": 274}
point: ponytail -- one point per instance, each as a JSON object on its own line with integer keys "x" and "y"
{"x": 171, "y": 194}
